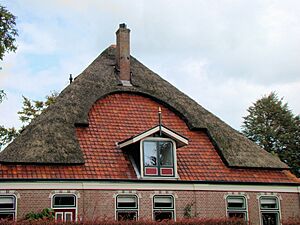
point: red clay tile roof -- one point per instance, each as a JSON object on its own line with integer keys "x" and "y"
{"x": 120, "y": 116}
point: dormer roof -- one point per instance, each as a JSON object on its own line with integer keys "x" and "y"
{"x": 179, "y": 139}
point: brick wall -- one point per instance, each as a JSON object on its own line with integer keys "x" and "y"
{"x": 100, "y": 204}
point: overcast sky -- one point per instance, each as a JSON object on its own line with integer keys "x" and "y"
{"x": 224, "y": 54}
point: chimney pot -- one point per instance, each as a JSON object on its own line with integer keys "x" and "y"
{"x": 123, "y": 53}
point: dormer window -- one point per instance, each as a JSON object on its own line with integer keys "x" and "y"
{"x": 153, "y": 152}
{"x": 158, "y": 157}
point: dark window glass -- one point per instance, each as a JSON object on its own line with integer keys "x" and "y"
{"x": 68, "y": 217}
{"x": 269, "y": 218}
{"x": 239, "y": 215}
{"x": 59, "y": 216}
{"x": 7, "y": 202}
{"x": 165, "y": 150}
{"x": 130, "y": 215}
{"x": 126, "y": 205}
{"x": 6, "y": 216}
{"x": 163, "y": 215}
{"x": 162, "y": 205}
{"x": 64, "y": 201}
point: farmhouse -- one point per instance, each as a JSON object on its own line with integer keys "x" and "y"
{"x": 120, "y": 142}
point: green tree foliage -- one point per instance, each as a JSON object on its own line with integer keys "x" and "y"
{"x": 30, "y": 110}
{"x": 272, "y": 125}
{"x": 33, "y": 108}
{"x": 8, "y": 32}
{"x": 2, "y": 95}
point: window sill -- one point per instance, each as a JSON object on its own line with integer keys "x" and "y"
{"x": 159, "y": 178}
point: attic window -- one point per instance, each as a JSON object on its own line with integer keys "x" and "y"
{"x": 158, "y": 157}
{"x": 153, "y": 152}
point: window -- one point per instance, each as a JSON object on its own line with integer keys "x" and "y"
{"x": 237, "y": 207}
{"x": 158, "y": 157}
{"x": 163, "y": 207}
{"x": 126, "y": 207}
{"x": 64, "y": 206}
{"x": 269, "y": 210}
{"x": 7, "y": 207}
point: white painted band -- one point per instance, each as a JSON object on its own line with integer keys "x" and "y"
{"x": 116, "y": 185}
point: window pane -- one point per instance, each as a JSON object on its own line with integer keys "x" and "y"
{"x": 131, "y": 215}
{"x": 126, "y": 202}
{"x": 163, "y": 202}
{"x": 239, "y": 215}
{"x": 268, "y": 203}
{"x": 163, "y": 215}
{"x": 166, "y": 156}
{"x": 7, "y": 202}
{"x": 64, "y": 201}
{"x": 270, "y": 218}
{"x": 6, "y": 216}
{"x": 59, "y": 216}
{"x": 150, "y": 153}
{"x": 236, "y": 203}
{"x": 68, "y": 216}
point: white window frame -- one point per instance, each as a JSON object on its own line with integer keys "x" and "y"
{"x": 261, "y": 211}
{"x": 237, "y": 210}
{"x": 173, "y": 209}
{"x": 65, "y": 216}
{"x": 175, "y": 176}
{"x": 59, "y": 213}
{"x": 65, "y": 207}
{"x": 127, "y": 209}
{"x": 14, "y": 210}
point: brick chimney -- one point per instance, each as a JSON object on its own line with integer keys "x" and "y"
{"x": 123, "y": 54}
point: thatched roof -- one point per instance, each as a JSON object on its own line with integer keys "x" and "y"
{"x": 51, "y": 138}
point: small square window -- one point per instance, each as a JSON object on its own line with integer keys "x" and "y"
{"x": 270, "y": 218}
{"x": 64, "y": 201}
{"x": 236, "y": 202}
{"x": 7, "y": 202}
{"x": 125, "y": 202}
{"x": 163, "y": 202}
{"x": 123, "y": 215}
{"x": 268, "y": 203}
{"x": 163, "y": 215}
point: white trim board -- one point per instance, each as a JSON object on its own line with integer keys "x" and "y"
{"x": 181, "y": 140}
{"x": 115, "y": 185}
